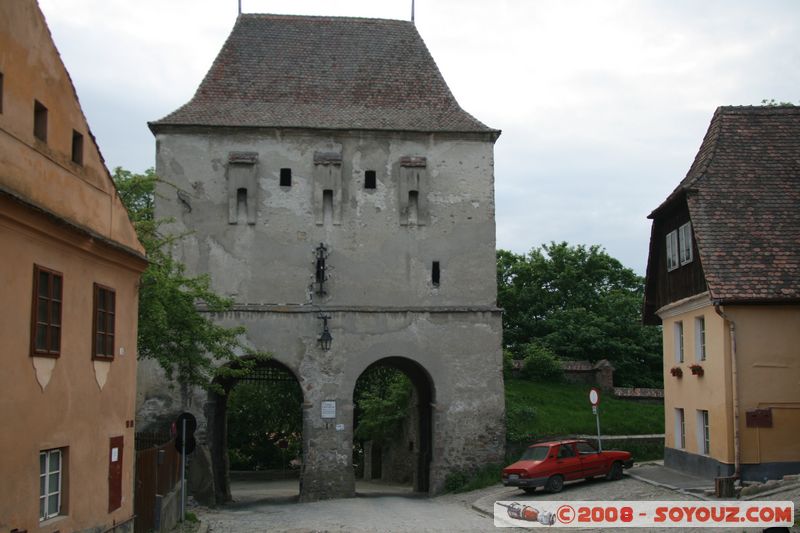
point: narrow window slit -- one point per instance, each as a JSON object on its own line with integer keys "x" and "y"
{"x": 413, "y": 207}
{"x": 77, "y": 148}
{"x": 286, "y": 177}
{"x": 327, "y": 206}
{"x": 435, "y": 273}
{"x": 241, "y": 205}
{"x": 39, "y": 121}
{"x": 370, "y": 181}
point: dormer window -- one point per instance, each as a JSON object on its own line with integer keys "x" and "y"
{"x": 679, "y": 247}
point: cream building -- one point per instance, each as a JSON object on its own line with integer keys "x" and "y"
{"x": 723, "y": 279}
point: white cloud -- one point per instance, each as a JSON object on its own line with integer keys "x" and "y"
{"x": 602, "y": 104}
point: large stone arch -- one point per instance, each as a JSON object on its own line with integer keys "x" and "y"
{"x": 425, "y": 391}
{"x": 217, "y": 428}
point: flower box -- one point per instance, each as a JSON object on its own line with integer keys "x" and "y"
{"x": 697, "y": 370}
{"x": 676, "y": 371}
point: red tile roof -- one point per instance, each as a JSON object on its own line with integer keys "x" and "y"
{"x": 743, "y": 194}
{"x": 324, "y": 73}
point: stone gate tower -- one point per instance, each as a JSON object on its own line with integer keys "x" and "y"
{"x": 324, "y": 168}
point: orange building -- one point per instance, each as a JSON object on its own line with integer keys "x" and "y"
{"x": 69, "y": 271}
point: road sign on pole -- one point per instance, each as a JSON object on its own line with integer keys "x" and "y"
{"x": 594, "y": 399}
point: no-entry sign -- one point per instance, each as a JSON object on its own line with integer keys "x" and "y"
{"x": 594, "y": 397}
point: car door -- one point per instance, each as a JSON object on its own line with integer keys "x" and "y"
{"x": 591, "y": 460}
{"x": 568, "y": 462}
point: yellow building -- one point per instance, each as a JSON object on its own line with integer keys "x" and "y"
{"x": 68, "y": 283}
{"x": 723, "y": 280}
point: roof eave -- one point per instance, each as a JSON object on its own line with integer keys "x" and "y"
{"x": 157, "y": 127}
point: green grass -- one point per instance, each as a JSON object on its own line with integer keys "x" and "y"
{"x": 536, "y": 410}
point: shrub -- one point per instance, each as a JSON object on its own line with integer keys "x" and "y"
{"x": 465, "y": 481}
{"x": 541, "y": 364}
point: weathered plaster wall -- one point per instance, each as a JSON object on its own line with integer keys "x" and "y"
{"x": 375, "y": 260}
{"x": 75, "y": 408}
{"x": 43, "y": 172}
{"x": 380, "y": 297}
{"x": 67, "y": 217}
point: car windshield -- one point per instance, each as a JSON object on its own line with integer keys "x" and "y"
{"x": 535, "y": 453}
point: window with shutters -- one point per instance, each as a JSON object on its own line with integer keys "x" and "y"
{"x": 685, "y": 243}
{"x": 103, "y": 322}
{"x": 672, "y": 250}
{"x": 46, "y": 312}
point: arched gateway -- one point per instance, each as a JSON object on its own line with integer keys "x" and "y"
{"x": 330, "y": 184}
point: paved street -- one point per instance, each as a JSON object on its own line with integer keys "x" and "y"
{"x": 262, "y": 506}
{"x": 379, "y": 507}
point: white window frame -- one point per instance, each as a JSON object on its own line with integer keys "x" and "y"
{"x": 685, "y": 243}
{"x": 45, "y": 512}
{"x": 703, "y": 432}
{"x": 677, "y": 329}
{"x": 680, "y": 428}
{"x": 672, "y": 250}
{"x": 700, "y": 338}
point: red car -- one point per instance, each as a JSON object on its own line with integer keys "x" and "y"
{"x": 550, "y": 464}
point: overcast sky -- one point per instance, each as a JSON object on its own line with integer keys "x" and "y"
{"x": 603, "y": 104}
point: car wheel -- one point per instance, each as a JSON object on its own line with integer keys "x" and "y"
{"x": 555, "y": 483}
{"x": 529, "y": 490}
{"x": 615, "y": 472}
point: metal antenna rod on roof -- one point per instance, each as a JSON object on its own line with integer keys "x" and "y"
{"x": 240, "y": 7}
{"x": 412, "y": 10}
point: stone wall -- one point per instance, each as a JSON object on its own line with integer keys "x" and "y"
{"x": 385, "y": 304}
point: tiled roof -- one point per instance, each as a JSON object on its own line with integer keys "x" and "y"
{"x": 324, "y": 72}
{"x": 743, "y": 194}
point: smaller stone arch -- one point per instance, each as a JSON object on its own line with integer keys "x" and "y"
{"x": 216, "y": 415}
{"x": 425, "y": 391}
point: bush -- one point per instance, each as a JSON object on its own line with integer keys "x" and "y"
{"x": 508, "y": 363}
{"x": 541, "y": 364}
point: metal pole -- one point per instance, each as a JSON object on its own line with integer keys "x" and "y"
{"x": 183, "y": 469}
{"x": 597, "y": 417}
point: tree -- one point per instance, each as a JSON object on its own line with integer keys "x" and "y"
{"x": 382, "y": 396}
{"x": 580, "y": 303}
{"x": 187, "y": 344}
{"x": 265, "y": 424}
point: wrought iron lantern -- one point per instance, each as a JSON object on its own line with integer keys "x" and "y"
{"x": 325, "y": 338}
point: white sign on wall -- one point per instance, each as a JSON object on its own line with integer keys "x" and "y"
{"x": 329, "y": 409}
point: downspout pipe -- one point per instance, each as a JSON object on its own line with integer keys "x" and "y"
{"x": 735, "y": 391}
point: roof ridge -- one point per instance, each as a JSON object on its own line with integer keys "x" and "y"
{"x": 283, "y": 16}
{"x": 760, "y": 109}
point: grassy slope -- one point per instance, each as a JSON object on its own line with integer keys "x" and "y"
{"x": 542, "y": 409}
